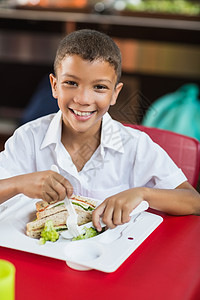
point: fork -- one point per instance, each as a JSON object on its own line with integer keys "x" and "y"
{"x": 72, "y": 215}
{"x": 72, "y": 218}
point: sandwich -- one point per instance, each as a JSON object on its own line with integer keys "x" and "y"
{"x": 58, "y": 214}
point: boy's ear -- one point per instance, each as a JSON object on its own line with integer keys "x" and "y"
{"x": 116, "y": 93}
{"x": 53, "y": 82}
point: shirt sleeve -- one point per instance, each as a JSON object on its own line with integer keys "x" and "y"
{"x": 17, "y": 158}
{"x": 153, "y": 167}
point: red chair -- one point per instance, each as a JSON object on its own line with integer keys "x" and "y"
{"x": 184, "y": 150}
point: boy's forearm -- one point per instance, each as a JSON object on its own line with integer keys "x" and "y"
{"x": 9, "y": 188}
{"x": 179, "y": 201}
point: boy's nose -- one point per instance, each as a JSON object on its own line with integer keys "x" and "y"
{"x": 83, "y": 97}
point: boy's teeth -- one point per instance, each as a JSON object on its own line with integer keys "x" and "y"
{"x": 79, "y": 113}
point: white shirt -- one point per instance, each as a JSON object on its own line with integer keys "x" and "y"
{"x": 126, "y": 158}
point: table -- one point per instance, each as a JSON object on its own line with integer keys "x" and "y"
{"x": 165, "y": 266}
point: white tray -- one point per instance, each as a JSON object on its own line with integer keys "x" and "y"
{"x": 105, "y": 252}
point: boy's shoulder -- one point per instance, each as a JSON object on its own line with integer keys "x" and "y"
{"x": 38, "y": 129}
{"x": 123, "y": 128}
{"x": 45, "y": 120}
{"x": 117, "y": 136}
{"x": 39, "y": 122}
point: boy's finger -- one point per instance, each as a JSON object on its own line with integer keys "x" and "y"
{"x": 60, "y": 190}
{"x": 108, "y": 214}
{"x": 125, "y": 216}
{"x": 65, "y": 183}
{"x": 96, "y": 214}
{"x": 68, "y": 187}
{"x": 117, "y": 216}
{"x": 50, "y": 195}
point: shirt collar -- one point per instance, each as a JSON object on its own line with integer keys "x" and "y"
{"x": 53, "y": 134}
{"x": 111, "y": 135}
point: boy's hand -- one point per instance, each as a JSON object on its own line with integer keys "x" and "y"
{"x": 47, "y": 185}
{"x": 116, "y": 209}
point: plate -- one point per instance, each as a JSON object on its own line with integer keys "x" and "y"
{"x": 97, "y": 253}
{"x": 94, "y": 253}
{"x": 14, "y": 215}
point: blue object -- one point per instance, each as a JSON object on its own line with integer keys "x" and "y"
{"x": 42, "y": 102}
{"x": 178, "y": 112}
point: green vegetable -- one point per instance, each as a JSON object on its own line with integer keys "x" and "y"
{"x": 88, "y": 208}
{"x": 89, "y": 232}
{"x": 75, "y": 203}
{"x": 62, "y": 203}
{"x": 48, "y": 233}
{"x": 61, "y": 228}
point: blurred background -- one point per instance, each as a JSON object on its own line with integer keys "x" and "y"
{"x": 159, "y": 41}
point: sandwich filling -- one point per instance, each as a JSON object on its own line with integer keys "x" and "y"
{"x": 76, "y": 200}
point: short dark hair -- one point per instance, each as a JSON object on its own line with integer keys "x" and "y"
{"x": 89, "y": 45}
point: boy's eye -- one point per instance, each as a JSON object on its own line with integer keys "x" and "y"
{"x": 100, "y": 87}
{"x": 69, "y": 82}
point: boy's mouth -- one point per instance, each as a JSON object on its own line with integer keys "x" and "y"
{"x": 81, "y": 113}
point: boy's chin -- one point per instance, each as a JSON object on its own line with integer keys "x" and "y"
{"x": 87, "y": 126}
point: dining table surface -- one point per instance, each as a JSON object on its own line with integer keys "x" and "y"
{"x": 165, "y": 266}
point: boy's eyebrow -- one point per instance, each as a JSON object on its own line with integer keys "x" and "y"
{"x": 101, "y": 80}
{"x": 70, "y": 75}
{"x": 96, "y": 80}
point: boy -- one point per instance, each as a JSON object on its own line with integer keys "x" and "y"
{"x": 96, "y": 156}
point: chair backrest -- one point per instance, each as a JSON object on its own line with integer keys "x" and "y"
{"x": 184, "y": 150}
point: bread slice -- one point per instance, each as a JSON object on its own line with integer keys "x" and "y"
{"x": 43, "y": 205}
{"x": 51, "y": 211}
{"x": 44, "y": 209}
{"x": 35, "y": 234}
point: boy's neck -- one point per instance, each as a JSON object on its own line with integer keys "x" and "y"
{"x": 78, "y": 139}
{"x": 81, "y": 146}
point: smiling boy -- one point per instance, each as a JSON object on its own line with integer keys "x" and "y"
{"x": 97, "y": 157}
{"x": 92, "y": 86}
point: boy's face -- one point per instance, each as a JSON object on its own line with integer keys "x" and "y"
{"x": 84, "y": 90}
